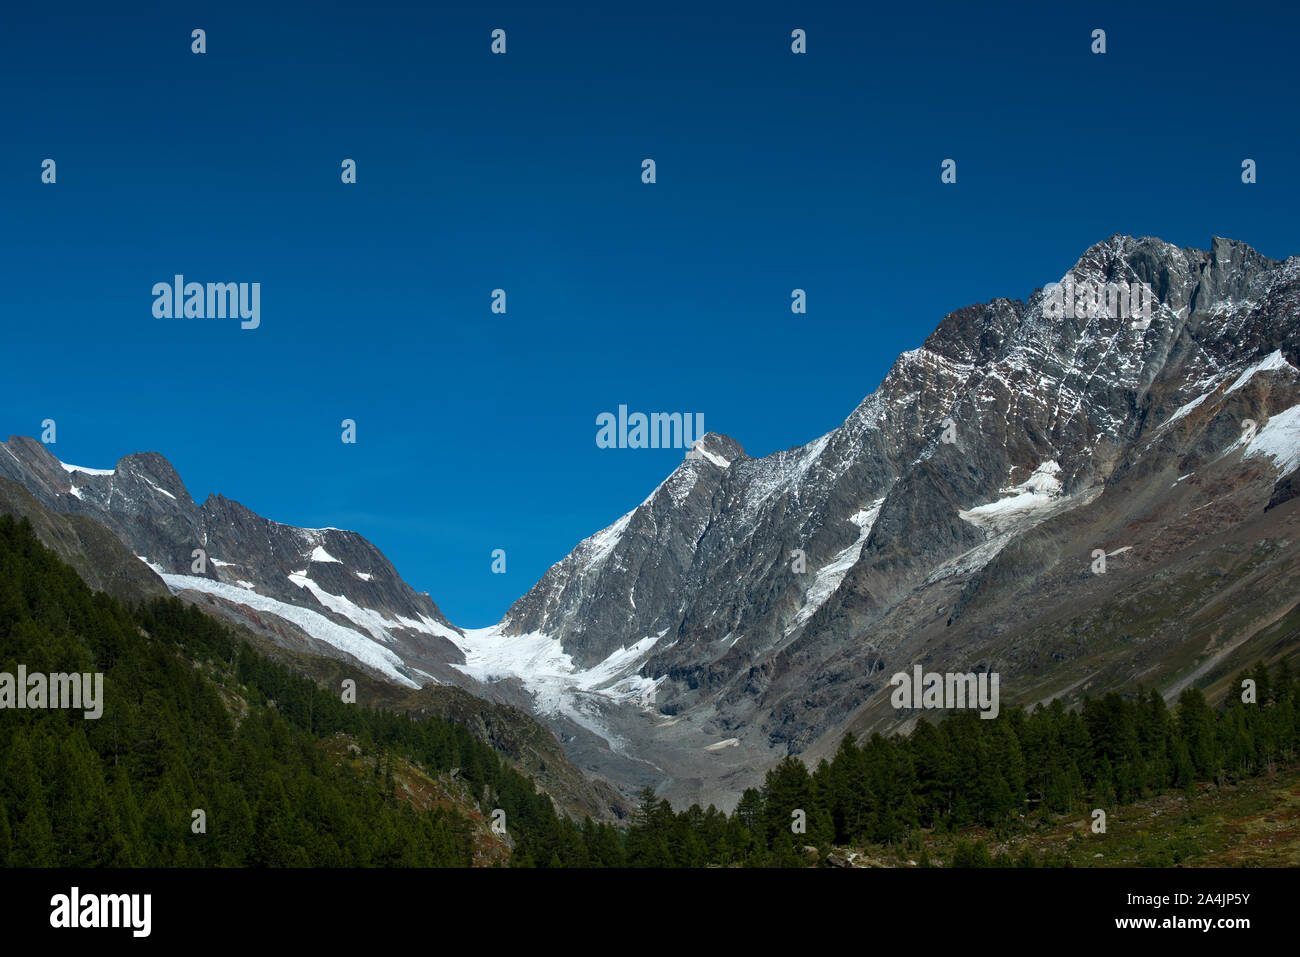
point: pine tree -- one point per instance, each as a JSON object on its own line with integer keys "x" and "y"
{"x": 787, "y": 789}
{"x": 971, "y": 854}
{"x": 31, "y": 837}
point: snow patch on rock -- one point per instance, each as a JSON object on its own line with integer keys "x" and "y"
{"x": 81, "y": 468}
{"x": 365, "y": 650}
{"x": 1279, "y": 440}
{"x": 1021, "y": 503}
{"x": 829, "y": 576}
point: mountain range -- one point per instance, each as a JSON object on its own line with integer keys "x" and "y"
{"x": 1080, "y": 503}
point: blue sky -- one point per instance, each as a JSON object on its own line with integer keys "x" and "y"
{"x": 775, "y": 171}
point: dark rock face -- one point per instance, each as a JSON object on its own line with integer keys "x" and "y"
{"x": 97, "y": 555}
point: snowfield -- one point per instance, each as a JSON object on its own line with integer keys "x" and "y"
{"x": 549, "y": 674}
{"x": 365, "y": 650}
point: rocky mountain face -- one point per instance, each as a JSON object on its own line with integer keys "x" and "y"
{"x": 95, "y": 553}
{"x": 1065, "y": 433}
{"x": 755, "y": 607}
{"x": 325, "y": 590}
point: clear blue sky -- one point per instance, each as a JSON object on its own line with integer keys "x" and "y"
{"x": 775, "y": 171}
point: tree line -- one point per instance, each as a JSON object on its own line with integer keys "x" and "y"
{"x": 965, "y": 770}
{"x": 196, "y": 719}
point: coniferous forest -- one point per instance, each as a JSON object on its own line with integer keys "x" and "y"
{"x": 195, "y": 718}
